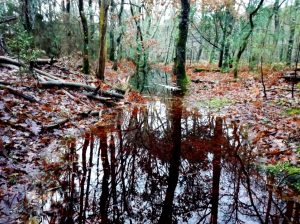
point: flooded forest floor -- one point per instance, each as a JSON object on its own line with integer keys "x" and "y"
{"x": 31, "y": 130}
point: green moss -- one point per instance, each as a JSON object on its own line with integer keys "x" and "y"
{"x": 285, "y": 167}
{"x": 288, "y": 172}
{"x": 199, "y": 69}
{"x": 183, "y": 82}
{"x": 293, "y": 111}
{"x": 298, "y": 86}
{"x": 215, "y": 103}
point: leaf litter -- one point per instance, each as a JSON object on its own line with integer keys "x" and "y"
{"x": 25, "y": 146}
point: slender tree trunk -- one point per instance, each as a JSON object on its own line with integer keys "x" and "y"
{"x": 292, "y": 34}
{"x": 276, "y": 22}
{"x": 105, "y": 195}
{"x": 26, "y": 12}
{"x": 82, "y": 181}
{"x": 119, "y": 38}
{"x": 169, "y": 45}
{"x": 103, "y": 25}
{"x": 212, "y": 52}
{"x": 112, "y": 47}
{"x": 244, "y": 43}
{"x": 85, "y": 67}
{"x": 91, "y": 18}
{"x": 216, "y": 172}
{"x": 167, "y": 210}
{"x": 68, "y": 6}
{"x": 221, "y": 56}
{"x": 179, "y": 62}
{"x": 141, "y": 55}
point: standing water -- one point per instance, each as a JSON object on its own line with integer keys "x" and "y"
{"x": 158, "y": 163}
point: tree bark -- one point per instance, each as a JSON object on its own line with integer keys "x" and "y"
{"x": 112, "y": 46}
{"x": 179, "y": 61}
{"x": 244, "y": 43}
{"x": 26, "y": 14}
{"x": 167, "y": 210}
{"x": 119, "y": 38}
{"x": 292, "y": 34}
{"x": 103, "y": 25}
{"x": 85, "y": 67}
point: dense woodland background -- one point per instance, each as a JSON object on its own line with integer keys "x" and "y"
{"x": 226, "y": 34}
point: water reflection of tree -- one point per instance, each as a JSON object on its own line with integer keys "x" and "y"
{"x": 144, "y": 167}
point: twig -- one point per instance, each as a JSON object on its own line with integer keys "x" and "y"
{"x": 262, "y": 77}
{"x": 295, "y": 75}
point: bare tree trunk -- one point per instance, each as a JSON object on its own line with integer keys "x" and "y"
{"x": 276, "y": 22}
{"x": 216, "y": 172}
{"x": 85, "y": 67}
{"x": 104, "y": 198}
{"x": 179, "y": 61}
{"x": 243, "y": 46}
{"x": 82, "y": 181}
{"x": 167, "y": 210}
{"x": 292, "y": 35}
{"x": 119, "y": 38}
{"x": 26, "y": 12}
{"x": 169, "y": 46}
{"x": 103, "y": 25}
{"x": 112, "y": 46}
{"x": 68, "y": 6}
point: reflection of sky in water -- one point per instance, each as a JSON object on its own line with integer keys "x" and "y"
{"x": 152, "y": 167}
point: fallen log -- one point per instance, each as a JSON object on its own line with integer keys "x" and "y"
{"x": 43, "y": 61}
{"x": 202, "y": 81}
{"x": 18, "y": 93}
{"x": 284, "y": 89}
{"x": 15, "y": 62}
{"x": 206, "y": 70}
{"x": 79, "y": 85}
{"x": 60, "y": 82}
{"x": 6, "y": 60}
{"x": 105, "y": 100}
{"x": 292, "y": 76}
{"x": 5, "y": 83}
{"x": 10, "y": 66}
{"x": 55, "y": 125}
{"x": 48, "y": 75}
